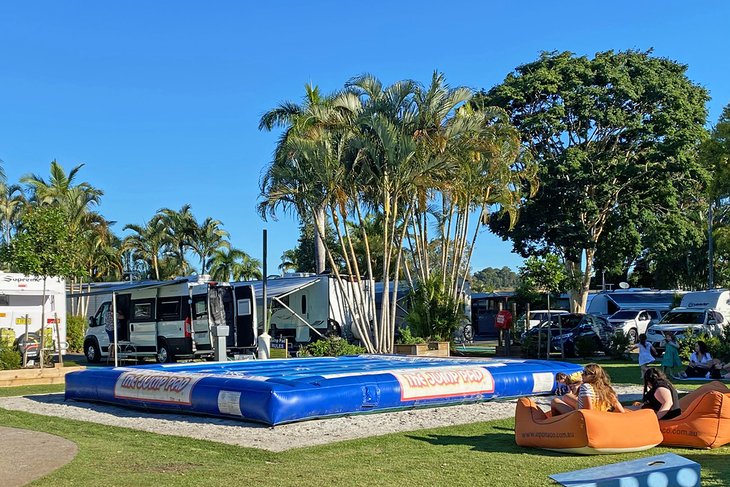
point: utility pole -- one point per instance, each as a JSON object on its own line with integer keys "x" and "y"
{"x": 710, "y": 249}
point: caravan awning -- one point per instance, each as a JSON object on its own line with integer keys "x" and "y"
{"x": 117, "y": 287}
{"x": 650, "y": 300}
{"x": 280, "y": 287}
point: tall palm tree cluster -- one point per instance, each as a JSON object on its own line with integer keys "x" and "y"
{"x": 157, "y": 249}
{"x": 405, "y": 175}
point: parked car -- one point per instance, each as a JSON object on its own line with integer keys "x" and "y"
{"x": 634, "y": 322}
{"x": 587, "y": 326}
{"x": 679, "y": 320}
{"x": 539, "y": 316}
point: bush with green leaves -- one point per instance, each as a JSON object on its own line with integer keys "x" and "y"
{"x": 75, "y": 329}
{"x": 406, "y": 337}
{"x": 619, "y": 345}
{"x": 690, "y": 338}
{"x": 432, "y": 313}
{"x": 9, "y": 357}
{"x": 330, "y": 347}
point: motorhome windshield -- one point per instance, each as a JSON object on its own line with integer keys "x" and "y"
{"x": 683, "y": 318}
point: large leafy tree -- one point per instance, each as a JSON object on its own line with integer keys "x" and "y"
{"x": 44, "y": 246}
{"x": 373, "y": 158}
{"x": 614, "y": 136}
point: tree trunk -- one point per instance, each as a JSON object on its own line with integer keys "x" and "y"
{"x": 319, "y": 237}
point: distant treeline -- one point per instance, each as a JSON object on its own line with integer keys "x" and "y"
{"x": 493, "y": 279}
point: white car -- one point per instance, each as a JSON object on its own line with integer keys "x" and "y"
{"x": 541, "y": 315}
{"x": 634, "y": 322}
{"x": 678, "y": 320}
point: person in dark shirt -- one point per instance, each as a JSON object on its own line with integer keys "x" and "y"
{"x": 660, "y": 395}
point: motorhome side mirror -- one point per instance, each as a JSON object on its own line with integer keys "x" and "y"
{"x": 92, "y": 320}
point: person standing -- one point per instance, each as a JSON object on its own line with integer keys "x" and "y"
{"x": 647, "y": 352}
{"x": 671, "y": 361}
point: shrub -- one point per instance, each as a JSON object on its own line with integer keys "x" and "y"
{"x": 9, "y": 357}
{"x": 406, "y": 337}
{"x": 529, "y": 346}
{"x": 619, "y": 345}
{"x": 432, "y": 312}
{"x": 75, "y": 329}
{"x": 330, "y": 347}
{"x": 585, "y": 347}
{"x": 687, "y": 344}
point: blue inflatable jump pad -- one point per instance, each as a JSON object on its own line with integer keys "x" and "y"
{"x": 288, "y": 390}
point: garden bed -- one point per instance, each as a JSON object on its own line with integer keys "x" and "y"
{"x": 430, "y": 349}
{"x": 29, "y": 377}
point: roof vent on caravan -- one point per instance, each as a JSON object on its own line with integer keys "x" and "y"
{"x": 299, "y": 274}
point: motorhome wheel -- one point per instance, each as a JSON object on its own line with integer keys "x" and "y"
{"x": 92, "y": 351}
{"x": 333, "y": 328}
{"x": 163, "y": 353}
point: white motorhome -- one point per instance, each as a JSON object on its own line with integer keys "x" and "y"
{"x": 20, "y": 305}
{"x": 608, "y": 303}
{"x": 305, "y": 307}
{"x": 702, "y": 311}
{"x": 168, "y": 320}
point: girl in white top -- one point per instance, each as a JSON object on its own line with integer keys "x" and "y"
{"x": 646, "y": 354}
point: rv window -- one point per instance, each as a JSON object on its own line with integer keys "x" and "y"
{"x": 169, "y": 309}
{"x": 200, "y": 308}
{"x": 4, "y": 300}
{"x": 143, "y": 311}
{"x": 304, "y": 303}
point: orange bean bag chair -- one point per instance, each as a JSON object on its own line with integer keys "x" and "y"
{"x": 705, "y": 419}
{"x": 584, "y": 431}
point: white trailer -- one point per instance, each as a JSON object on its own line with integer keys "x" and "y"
{"x": 305, "y": 307}
{"x": 22, "y": 306}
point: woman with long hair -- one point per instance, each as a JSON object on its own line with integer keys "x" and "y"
{"x": 700, "y": 362}
{"x": 660, "y": 395}
{"x": 595, "y": 392}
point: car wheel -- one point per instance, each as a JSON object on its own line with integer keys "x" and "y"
{"x": 632, "y": 336}
{"x": 92, "y": 352}
{"x": 164, "y": 355}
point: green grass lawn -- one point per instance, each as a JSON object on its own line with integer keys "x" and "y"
{"x": 475, "y": 454}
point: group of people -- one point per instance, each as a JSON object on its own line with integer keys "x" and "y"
{"x": 701, "y": 363}
{"x": 593, "y": 391}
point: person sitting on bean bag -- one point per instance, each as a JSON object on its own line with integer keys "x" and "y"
{"x": 700, "y": 362}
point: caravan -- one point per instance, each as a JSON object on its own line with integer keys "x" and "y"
{"x": 702, "y": 311}
{"x": 168, "y": 320}
{"x": 21, "y": 310}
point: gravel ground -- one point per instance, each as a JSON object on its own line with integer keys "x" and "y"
{"x": 282, "y": 437}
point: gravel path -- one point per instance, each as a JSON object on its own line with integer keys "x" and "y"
{"x": 282, "y": 437}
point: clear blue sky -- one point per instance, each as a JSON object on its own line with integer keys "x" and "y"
{"x": 161, "y": 100}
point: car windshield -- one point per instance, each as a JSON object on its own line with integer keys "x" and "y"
{"x": 683, "y": 318}
{"x": 623, "y": 315}
{"x": 570, "y": 321}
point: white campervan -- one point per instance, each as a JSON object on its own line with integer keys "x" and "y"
{"x": 21, "y": 310}
{"x": 172, "y": 319}
{"x": 702, "y": 311}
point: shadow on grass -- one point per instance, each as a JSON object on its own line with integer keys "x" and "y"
{"x": 497, "y": 440}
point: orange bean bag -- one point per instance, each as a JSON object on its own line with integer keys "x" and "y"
{"x": 584, "y": 431}
{"x": 705, "y": 419}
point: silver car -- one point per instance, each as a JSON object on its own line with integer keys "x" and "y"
{"x": 634, "y": 322}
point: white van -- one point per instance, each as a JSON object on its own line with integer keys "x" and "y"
{"x": 702, "y": 311}
{"x": 168, "y": 320}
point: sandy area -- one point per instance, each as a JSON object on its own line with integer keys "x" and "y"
{"x": 282, "y": 437}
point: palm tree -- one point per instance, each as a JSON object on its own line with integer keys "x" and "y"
{"x": 181, "y": 227}
{"x": 58, "y": 187}
{"x": 148, "y": 243}
{"x": 208, "y": 237}
{"x": 234, "y": 265}
{"x": 289, "y": 261}
{"x": 12, "y": 201}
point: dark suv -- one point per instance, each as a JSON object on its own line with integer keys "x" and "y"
{"x": 578, "y": 326}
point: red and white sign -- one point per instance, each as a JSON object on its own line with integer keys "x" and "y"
{"x": 430, "y": 383}
{"x": 164, "y": 387}
{"x": 503, "y": 320}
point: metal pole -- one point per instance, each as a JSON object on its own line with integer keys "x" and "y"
{"x": 710, "y": 249}
{"x": 263, "y": 290}
{"x": 549, "y": 330}
{"x": 114, "y": 312}
{"x": 25, "y": 349}
{"x": 264, "y": 340}
{"x": 58, "y": 339}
